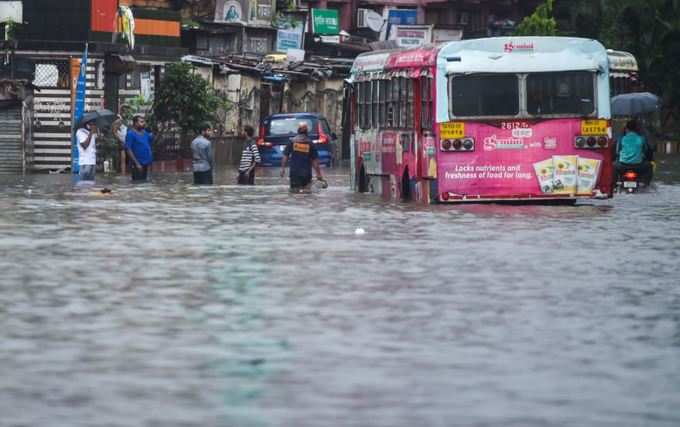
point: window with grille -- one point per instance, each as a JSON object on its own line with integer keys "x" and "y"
{"x": 426, "y": 103}
{"x": 52, "y": 74}
{"x": 382, "y": 106}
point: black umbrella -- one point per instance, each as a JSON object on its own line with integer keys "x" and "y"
{"x": 633, "y": 104}
{"x": 103, "y": 118}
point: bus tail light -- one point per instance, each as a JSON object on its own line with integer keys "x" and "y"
{"x": 445, "y": 197}
{"x": 591, "y": 142}
{"x": 463, "y": 144}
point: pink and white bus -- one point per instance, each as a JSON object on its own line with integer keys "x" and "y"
{"x": 496, "y": 119}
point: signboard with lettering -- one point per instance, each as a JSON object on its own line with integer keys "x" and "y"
{"x": 399, "y": 17}
{"x": 411, "y": 35}
{"x": 325, "y": 22}
{"x": 289, "y": 35}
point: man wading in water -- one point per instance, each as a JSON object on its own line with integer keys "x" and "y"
{"x": 138, "y": 147}
{"x": 303, "y": 157}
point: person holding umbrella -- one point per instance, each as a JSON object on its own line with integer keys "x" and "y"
{"x": 87, "y": 149}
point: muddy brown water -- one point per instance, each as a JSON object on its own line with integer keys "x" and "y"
{"x": 165, "y": 304}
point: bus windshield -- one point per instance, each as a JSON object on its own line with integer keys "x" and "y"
{"x": 561, "y": 93}
{"x": 481, "y": 95}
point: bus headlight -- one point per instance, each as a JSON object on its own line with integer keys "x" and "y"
{"x": 580, "y": 141}
{"x": 468, "y": 144}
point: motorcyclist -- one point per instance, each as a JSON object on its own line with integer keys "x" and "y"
{"x": 632, "y": 149}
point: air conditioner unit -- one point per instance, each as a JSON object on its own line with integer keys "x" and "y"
{"x": 362, "y": 22}
{"x": 464, "y": 18}
{"x": 367, "y": 18}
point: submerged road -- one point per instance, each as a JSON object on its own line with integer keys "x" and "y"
{"x": 165, "y": 304}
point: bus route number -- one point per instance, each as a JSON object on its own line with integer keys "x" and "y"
{"x": 593, "y": 127}
{"x": 452, "y": 130}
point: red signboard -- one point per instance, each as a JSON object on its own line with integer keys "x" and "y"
{"x": 420, "y": 57}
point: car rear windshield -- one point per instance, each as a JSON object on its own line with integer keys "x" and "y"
{"x": 561, "y": 93}
{"x": 480, "y": 95}
{"x": 289, "y": 125}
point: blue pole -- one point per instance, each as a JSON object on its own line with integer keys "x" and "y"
{"x": 79, "y": 109}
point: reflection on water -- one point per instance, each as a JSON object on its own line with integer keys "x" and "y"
{"x": 166, "y": 304}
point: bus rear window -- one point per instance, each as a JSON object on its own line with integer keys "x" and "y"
{"x": 560, "y": 93}
{"x": 485, "y": 95}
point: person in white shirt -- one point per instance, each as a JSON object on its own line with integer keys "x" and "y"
{"x": 87, "y": 150}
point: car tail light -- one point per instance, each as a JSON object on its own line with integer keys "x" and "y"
{"x": 630, "y": 176}
{"x": 465, "y": 144}
{"x": 262, "y": 143}
{"x": 591, "y": 142}
{"x": 323, "y": 139}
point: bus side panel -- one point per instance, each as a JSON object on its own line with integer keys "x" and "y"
{"x": 521, "y": 159}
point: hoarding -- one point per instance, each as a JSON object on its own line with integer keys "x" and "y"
{"x": 325, "y": 22}
{"x": 411, "y": 35}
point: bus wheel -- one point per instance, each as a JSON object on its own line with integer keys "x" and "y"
{"x": 363, "y": 181}
{"x": 405, "y": 187}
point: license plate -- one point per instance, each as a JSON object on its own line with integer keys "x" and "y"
{"x": 629, "y": 184}
{"x": 452, "y": 130}
{"x": 594, "y": 127}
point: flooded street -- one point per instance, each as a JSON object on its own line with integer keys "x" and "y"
{"x": 166, "y": 304}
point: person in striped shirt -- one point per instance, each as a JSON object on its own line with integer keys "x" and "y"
{"x": 250, "y": 157}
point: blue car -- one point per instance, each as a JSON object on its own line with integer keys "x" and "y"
{"x": 277, "y": 130}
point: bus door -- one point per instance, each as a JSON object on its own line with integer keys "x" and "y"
{"x": 426, "y": 153}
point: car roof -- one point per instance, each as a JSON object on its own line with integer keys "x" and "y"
{"x": 294, "y": 116}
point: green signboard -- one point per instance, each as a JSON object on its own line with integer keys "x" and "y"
{"x": 325, "y": 22}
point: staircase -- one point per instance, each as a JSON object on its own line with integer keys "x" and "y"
{"x": 11, "y": 146}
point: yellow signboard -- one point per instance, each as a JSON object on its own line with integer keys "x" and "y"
{"x": 452, "y": 130}
{"x": 594, "y": 127}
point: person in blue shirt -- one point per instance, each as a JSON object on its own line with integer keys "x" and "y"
{"x": 303, "y": 157}
{"x": 631, "y": 152}
{"x": 138, "y": 147}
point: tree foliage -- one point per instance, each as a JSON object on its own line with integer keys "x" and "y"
{"x": 186, "y": 99}
{"x": 539, "y": 23}
{"x": 650, "y": 30}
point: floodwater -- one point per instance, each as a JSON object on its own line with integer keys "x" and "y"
{"x": 165, "y": 304}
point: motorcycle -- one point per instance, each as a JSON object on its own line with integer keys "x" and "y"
{"x": 632, "y": 179}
